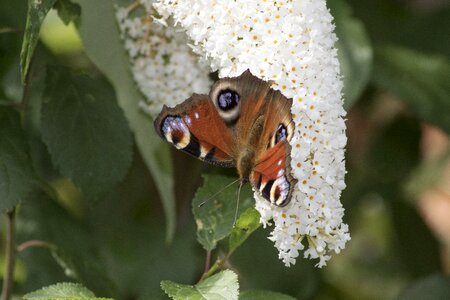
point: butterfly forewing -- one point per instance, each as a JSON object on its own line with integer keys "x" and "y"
{"x": 195, "y": 127}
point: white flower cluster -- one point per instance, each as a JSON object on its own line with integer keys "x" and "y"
{"x": 290, "y": 43}
{"x": 164, "y": 67}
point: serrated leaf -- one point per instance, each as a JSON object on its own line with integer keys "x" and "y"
{"x": 37, "y": 10}
{"x": 17, "y": 178}
{"x": 85, "y": 131}
{"x": 433, "y": 287}
{"x": 63, "y": 291}
{"x": 101, "y": 38}
{"x": 215, "y": 218}
{"x": 354, "y": 51}
{"x": 221, "y": 286}
{"x": 68, "y": 11}
{"x": 422, "y": 81}
{"x": 180, "y": 291}
{"x": 247, "y": 223}
{"x": 263, "y": 295}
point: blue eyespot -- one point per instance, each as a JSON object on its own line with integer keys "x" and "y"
{"x": 227, "y": 100}
{"x": 281, "y": 134}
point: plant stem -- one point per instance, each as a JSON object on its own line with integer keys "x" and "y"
{"x": 216, "y": 266}
{"x": 212, "y": 270}
{"x": 33, "y": 243}
{"x": 207, "y": 261}
{"x": 10, "y": 252}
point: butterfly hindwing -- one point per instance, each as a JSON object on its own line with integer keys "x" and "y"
{"x": 195, "y": 127}
{"x": 272, "y": 175}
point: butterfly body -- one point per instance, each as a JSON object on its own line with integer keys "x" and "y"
{"x": 242, "y": 123}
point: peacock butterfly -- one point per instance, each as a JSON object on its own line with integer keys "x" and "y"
{"x": 242, "y": 123}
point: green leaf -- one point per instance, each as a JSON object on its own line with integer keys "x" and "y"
{"x": 354, "y": 51}
{"x": 37, "y": 10}
{"x": 66, "y": 291}
{"x": 68, "y": 11}
{"x": 215, "y": 218}
{"x": 433, "y": 287}
{"x": 422, "y": 81}
{"x": 101, "y": 38}
{"x": 17, "y": 178}
{"x": 223, "y": 285}
{"x": 180, "y": 291}
{"x": 263, "y": 295}
{"x": 85, "y": 131}
{"x": 247, "y": 223}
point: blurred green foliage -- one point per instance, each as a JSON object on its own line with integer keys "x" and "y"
{"x": 103, "y": 46}
{"x": 73, "y": 133}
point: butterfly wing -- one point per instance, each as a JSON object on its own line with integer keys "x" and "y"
{"x": 271, "y": 175}
{"x": 196, "y": 128}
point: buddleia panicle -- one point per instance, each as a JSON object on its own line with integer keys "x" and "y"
{"x": 292, "y": 45}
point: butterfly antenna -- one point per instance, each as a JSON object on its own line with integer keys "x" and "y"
{"x": 220, "y": 191}
{"x": 237, "y": 205}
